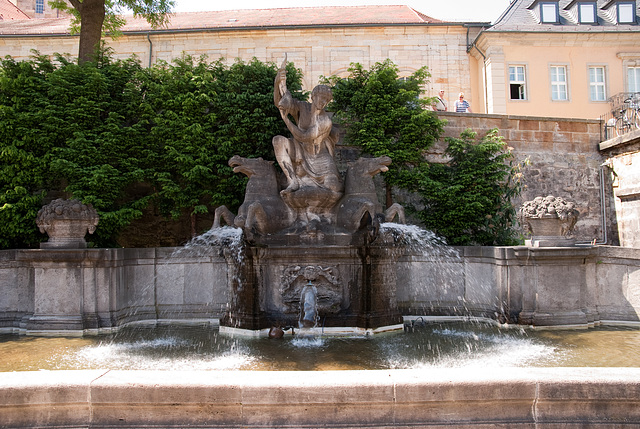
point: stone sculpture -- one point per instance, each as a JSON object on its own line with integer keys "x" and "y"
{"x": 313, "y": 250}
{"x": 263, "y": 210}
{"x": 325, "y": 279}
{"x": 314, "y": 203}
{"x": 66, "y": 222}
{"x": 361, "y": 201}
{"x": 307, "y": 158}
{"x": 550, "y": 221}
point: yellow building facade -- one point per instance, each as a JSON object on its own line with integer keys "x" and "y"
{"x": 570, "y": 63}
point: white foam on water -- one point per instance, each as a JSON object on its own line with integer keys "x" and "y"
{"x": 479, "y": 350}
{"x": 158, "y": 354}
{"x": 308, "y": 342}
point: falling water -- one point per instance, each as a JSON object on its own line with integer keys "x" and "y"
{"x": 226, "y": 237}
{"x": 436, "y": 271}
{"x": 308, "y": 306}
{"x": 417, "y": 240}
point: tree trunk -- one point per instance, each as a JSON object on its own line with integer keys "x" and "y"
{"x": 92, "y": 13}
{"x": 194, "y": 224}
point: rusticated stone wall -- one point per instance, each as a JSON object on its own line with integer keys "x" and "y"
{"x": 564, "y": 162}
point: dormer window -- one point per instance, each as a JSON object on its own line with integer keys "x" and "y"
{"x": 549, "y": 12}
{"x": 587, "y": 12}
{"x": 626, "y": 12}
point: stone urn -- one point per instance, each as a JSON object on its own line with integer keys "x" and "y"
{"x": 550, "y": 221}
{"x": 66, "y": 222}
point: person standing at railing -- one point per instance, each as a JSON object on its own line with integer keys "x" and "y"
{"x": 461, "y": 105}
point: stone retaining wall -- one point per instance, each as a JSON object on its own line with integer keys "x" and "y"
{"x": 579, "y": 286}
{"x": 564, "y": 162}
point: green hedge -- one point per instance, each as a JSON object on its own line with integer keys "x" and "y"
{"x": 93, "y": 131}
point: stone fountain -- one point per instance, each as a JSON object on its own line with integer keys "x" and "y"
{"x": 314, "y": 255}
{"x": 310, "y": 230}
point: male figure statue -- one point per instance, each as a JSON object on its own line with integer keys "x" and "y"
{"x": 307, "y": 159}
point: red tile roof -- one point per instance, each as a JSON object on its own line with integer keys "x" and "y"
{"x": 9, "y": 11}
{"x": 257, "y": 18}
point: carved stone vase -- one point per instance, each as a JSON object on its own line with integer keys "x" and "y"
{"x": 66, "y": 222}
{"x": 550, "y": 226}
{"x": 550, "y": 221}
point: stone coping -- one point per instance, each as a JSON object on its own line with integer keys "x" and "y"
{"x": 429, "y": 397}
{"x": 518, "y": 117}
{"x": 408, "y": 320}
{"x": 618, "y": 142}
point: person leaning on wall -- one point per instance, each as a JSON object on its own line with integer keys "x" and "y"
{"x": 461, "y": 105}
{"x": 440, "y": 104}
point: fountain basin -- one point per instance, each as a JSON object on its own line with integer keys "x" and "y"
{"x": 86, "y": 291}
{"x": 461, "y": 398}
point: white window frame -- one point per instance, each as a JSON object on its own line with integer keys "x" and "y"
{"x": 594, "y": 85}
{"x": 559, "y": 88}
{"x": 633, "y": 82}
{"x": 582, "y": 7}
{"x": 522, "y": 82}
{"x": 39, "y": 7}
{"x": 544, "y": 16}
{"x": 631, "y": 7}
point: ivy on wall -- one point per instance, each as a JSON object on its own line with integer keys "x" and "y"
{"x": 123, "y": 138}
{"x": 95, "y": 130}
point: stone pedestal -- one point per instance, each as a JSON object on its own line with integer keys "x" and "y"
{"x": 72, "y": 293}
{"x": 356, "y": 287}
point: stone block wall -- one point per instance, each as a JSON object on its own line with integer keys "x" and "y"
{"x": 564, "y": 162}
{"x": 95, "y": 290}
{"x": 317, "y": 51}
{"x": 579, "y": 286}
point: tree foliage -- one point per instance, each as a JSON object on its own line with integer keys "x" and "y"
{"x": 102, "y": 131}
{"x": 385, "y": 116}
{"x": 468, "y": 200}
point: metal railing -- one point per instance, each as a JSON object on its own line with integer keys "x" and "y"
{"x": 624, "y": 116}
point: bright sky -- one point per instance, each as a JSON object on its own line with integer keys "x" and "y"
{"x": 449, "y": 10}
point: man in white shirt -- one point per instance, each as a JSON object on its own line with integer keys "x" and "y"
{"x": 440, "y": 103}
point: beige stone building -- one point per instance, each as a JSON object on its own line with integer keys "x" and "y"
{"x": 558, "y": 58}
{"x": 322, "y": 41}
{"x": 554, "y": 58}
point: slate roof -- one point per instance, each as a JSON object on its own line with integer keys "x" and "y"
{"x": 521, "y": 16}
{"x": 247, "y": 19}
{"x": 9, "y": 12}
